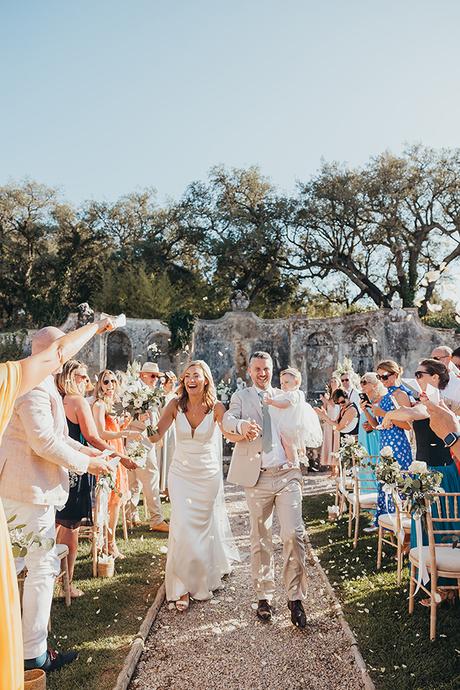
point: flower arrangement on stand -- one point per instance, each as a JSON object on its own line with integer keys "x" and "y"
{"x": 351, "y": 453}
{"x": 415, "y": 486}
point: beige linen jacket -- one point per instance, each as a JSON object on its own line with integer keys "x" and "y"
{"x": 247, "y": 455}
{"x": 37, "y": 451}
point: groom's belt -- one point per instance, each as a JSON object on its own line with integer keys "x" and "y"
{"x": 279, "y": 468}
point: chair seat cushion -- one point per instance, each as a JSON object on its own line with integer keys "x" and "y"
{"x": 389, "y": 521}
{"x": 365, "y": 500}
{"x": 61, "y": 550}
{"x": 447, "y": 558}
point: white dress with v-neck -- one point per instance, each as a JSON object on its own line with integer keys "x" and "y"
{"x": 201, "y": 546}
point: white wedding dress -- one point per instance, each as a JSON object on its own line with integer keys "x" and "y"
{"x": 201, "y": 546}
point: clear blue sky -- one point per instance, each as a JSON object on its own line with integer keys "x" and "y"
{"x": 101, "y": 97}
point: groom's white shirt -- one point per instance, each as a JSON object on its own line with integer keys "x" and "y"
{"x": 276, "y": 456}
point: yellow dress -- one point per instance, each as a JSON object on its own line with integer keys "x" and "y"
{"x": 11, "y": 654}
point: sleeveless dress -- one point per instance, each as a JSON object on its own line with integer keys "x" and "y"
{"x": 11, "y": 650}
{"x": 121, "y": 478}
{"x": 431, "y": 449}
{"x": 78, "y": 504}
{"x": 200, "y": 547}
{"x": 397, "y": 439}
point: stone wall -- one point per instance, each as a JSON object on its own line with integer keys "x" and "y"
{"x": 315, "y": 346}
{"x": 312, "y": 345}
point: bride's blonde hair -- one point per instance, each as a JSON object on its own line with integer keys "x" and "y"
{"x": 209, "y": 393}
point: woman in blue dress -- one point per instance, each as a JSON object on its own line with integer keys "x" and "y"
{"x": 368, "y": 436}
{"x": 397, "y": 395}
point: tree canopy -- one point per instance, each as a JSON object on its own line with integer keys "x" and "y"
{"x": 346, "y": 238}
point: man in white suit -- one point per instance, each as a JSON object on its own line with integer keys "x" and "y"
{"x": 35, "y": 457}
{"x": 259, "y": 464}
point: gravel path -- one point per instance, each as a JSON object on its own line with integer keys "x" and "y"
{"x": 221, "y": 645}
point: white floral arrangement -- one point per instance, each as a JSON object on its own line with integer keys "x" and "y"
{"x": 224, "y": 390}
{"x": 22, "y": 542}
{"x": 415, "y": 486}
{"x": 137, "y": 398}
{"x": 138, "y": 454}
{"x": 351, "y": 452}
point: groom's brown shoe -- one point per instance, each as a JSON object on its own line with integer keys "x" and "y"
{"x": 264, "y": 610}
{"x": 298, "y": 616}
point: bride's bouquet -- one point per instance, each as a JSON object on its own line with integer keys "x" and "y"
{"x": 137, "y": 398}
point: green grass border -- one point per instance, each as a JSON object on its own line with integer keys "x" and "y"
{"x": 102, "y": 625}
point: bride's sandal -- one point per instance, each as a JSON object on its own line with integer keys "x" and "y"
{"x": 183, "y": 603}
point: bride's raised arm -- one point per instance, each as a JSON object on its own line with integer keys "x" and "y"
{"x": 219, "y": 411}
{"x": 167, "y": 418}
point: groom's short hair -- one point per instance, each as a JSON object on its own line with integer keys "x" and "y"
{"x": 260, "y": 354}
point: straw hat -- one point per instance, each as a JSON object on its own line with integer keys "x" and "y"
{"x": 151, "y": 368}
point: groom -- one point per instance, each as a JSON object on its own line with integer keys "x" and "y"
{"x": 259, "y": 464}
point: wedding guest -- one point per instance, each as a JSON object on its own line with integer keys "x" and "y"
{"x": 372, "y": 392}
{"x": 108, "y": 429}
{"x": 200, "y": 547}
{"x": 147, "y": 478}
{"x": 456, "y": 357}
{"x": 347, "y": 382}
{"x": 71, "y": 384}
{"x": 17, "y": 379}
{"x": 331, "y": 437}
{"x": 431, "y": 449}
{"x": 347, "y": 421}
{"x": 451, "y": 392}
{"x": 169, "y": 439}
{"x": 369, "y": 437}
{"x": 35, "y": 457}
{"x": 397, "y": 395}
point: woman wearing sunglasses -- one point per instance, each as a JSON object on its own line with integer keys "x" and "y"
{"x": 331, "y": 437}
{"x": 347, "y": 421}
{"x": 108, "y": 428}
{"x": 430, "y": 448}
{"x": 72, "y": 384}
{"x": 397, "y": 395}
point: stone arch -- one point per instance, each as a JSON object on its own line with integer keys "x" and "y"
{"x": 119, "y": 351}
{"x": 321, "y": 356}
{"x": 361, "y": 351}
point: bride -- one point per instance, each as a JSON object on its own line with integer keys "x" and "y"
{"x": 201, "y": 546}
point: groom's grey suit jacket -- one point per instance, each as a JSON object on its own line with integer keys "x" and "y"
{"x": 247, "y": 455}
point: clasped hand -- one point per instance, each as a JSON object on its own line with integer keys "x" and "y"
{"x": 250, "y": 430}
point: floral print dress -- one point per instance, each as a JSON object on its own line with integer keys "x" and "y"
{"x": 397, "y": 439}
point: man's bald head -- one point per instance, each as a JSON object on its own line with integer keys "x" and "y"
{"x": 44, "y": 337}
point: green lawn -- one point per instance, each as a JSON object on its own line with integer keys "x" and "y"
{"x": 101, "y": 625}
{"x": 395, "y": 646}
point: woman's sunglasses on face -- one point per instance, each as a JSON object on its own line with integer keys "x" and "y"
{"x": 420, "y": 374}
{"x": 384, "y": 377}
{"x": 342, "y": 402}
{"x": 344, "y": 380}
{"x": 107, "y": 381}
{"x": 364, "y": 382}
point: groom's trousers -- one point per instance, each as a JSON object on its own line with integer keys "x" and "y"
{"x": 280, "y": 489}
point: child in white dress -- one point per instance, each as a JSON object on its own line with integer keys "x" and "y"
{"x": 297, "y": 422}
